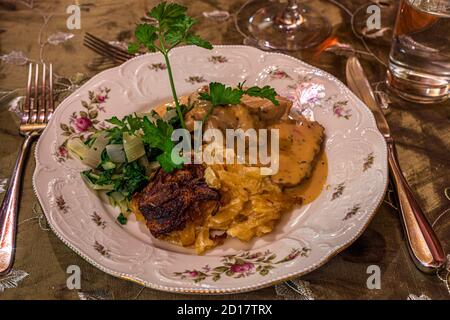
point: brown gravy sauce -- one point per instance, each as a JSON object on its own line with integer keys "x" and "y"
{"x": 311, "y": 187}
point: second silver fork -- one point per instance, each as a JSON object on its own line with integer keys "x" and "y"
{"x": 37, "y": 110}
{"x": 105, "y": 49}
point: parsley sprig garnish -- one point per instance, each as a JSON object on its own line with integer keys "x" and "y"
{"x": 173, "y": 27}
{"x": 221, "y": 95}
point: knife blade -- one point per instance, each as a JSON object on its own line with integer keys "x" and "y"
{"x": 359, "y": 84}
{"x": 423, "y": 244}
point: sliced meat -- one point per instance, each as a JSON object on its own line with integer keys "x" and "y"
{"x": 253, "y": 112}
{"x": 266, "y": 110}
{"x": 300, "y": 142}
{"x": 223, "y": 117}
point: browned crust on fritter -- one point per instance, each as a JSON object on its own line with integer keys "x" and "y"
{"x": 171, "y": 200}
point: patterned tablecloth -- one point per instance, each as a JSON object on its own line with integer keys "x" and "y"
{"x": 36, "y": 31}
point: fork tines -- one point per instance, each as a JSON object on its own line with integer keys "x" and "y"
{"x": 105, "y": 49}
{"x": 38, "y": 106}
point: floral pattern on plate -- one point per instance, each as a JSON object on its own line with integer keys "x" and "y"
{"x": 195, "y": 79}
{"x": 84, "y": 122}
{"x": 61, "y": 204}
{"x": 368, "y": 161}
{"x": 217, "y": 59}
{"x": 341, "y": 110}
{"x": 242, "y": 265}
{"x": 158, "y": 66}
{"x": 278, "y": 74}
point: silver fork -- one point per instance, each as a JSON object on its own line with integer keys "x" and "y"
{"x": 36, "y": 112}
{"x": 105, "y": 49}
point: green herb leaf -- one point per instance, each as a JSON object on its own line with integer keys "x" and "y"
{"x": 158, "y": 11}
{"x": 115, "y": 121}
{"x": 133, "y": 47}
{"x": 166, "y": 162}
{"x": 197, "y": 41}
{"x": 133, "y": 179}
{"x": 167, "y": 13}
{"x": 134, "y": 123}
{"x": 122, "y": 219}
{"x": 146, "y": 34}
{"x": 159, "y": 136}
{"x": 129, "y": 124}
{"x": 265, "y": 92}
{"x": 220, "y": 95}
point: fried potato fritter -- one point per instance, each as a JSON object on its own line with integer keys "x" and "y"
{"x": 172, "y": 200}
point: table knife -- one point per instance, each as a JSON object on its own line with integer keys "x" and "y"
{"x": 423, "y": 244}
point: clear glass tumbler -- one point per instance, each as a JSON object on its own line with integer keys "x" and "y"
{"x": 419, "y": 62}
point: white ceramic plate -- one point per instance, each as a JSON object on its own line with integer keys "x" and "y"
{"x": 302, "y": 241}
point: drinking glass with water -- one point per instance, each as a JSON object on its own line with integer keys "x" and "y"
{"x": 419, "y": 62}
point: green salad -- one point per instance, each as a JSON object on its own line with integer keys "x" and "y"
{"x": 124, "y": 157}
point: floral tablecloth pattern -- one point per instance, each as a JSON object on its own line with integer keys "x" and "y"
{"x": 36, "y": 31}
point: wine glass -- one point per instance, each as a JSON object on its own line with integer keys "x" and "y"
{"x": 282, "y": 25}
